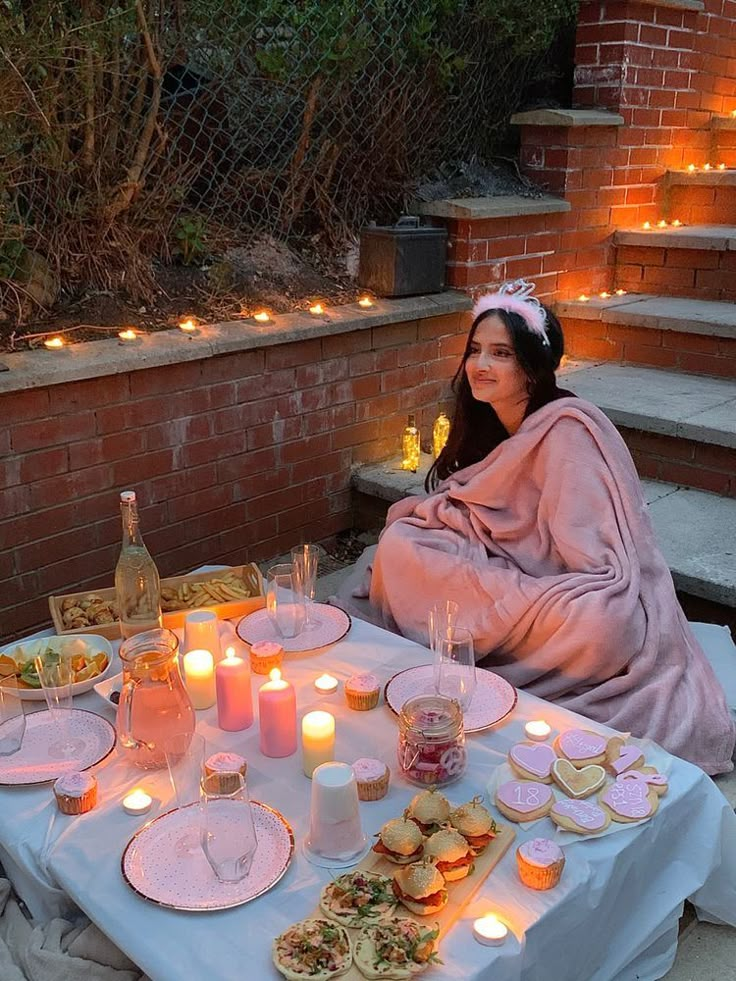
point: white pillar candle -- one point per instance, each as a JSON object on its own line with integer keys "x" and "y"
{"x": 538, "y": 730}
{"x": 318, "y": 740}
{"x": 490, "y": 931}
{"x": 199, "y": 674}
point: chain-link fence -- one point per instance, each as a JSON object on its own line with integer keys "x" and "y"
{"x": 174, "y": 128}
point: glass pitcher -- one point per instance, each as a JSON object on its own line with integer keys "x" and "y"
{"x": 154, "y": 703}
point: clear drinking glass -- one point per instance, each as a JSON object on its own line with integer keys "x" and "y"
{"x": 285, "y": 600}
{"x": 185, "y": 757}
{"x": 441, "y": 617}
{"x": 228, "y": 834}
{"x": 56, "y": 674}
{"x": 12, "y": 717}
{"x": 305, "y": 559}
{"x": 454, "y": 666}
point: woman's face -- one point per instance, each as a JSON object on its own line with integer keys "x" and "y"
{"x": 493, "y": 371}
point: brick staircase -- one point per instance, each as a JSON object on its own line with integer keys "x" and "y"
{"x": 660, "y": 360}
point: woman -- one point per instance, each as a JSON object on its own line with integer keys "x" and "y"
{"x": 536, "y": 526}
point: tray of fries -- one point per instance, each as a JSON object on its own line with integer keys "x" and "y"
{"x": 229, "y": 593}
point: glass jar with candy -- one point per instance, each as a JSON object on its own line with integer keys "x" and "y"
{"x": 431, "y": 749}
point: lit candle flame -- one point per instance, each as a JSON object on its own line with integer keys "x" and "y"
{"x": 676, "y": 223}
{"x": 263, "y": 317}
{"x": 230, "y": 652}
{"x": 583, "y": 298}
{"x": 127, "y": 335}
{"x": 604, "y": 295}
{"x": 662, "y": 223}
{"x": 620, "y": 292}
{"x": 326, "y": 683}
{"x": 188, "y": 325}
{"x": 274, "y": 674}
{"x": 691, "y": 168}
{"x": 490, "y": 930}
{"x": 537, "y": 730}
{"x": 707, "y": 167}
{"x": 721, "y": 166}
{"x": 647, "y": 225}
{"x": 317, "y": 310}
{"x": 365, "y": 301}
{"x": 54, "y": 343}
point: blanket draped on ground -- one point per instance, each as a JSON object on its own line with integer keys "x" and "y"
{"x": 547, "y": 546}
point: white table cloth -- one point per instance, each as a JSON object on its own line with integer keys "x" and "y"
{"x": 613, "y": 917}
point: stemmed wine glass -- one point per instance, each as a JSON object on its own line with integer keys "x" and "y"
{"x": 56, "y": 674}
{"x": 454, "y": 666}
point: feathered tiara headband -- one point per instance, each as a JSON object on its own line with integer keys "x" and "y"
{"x": 516, "y": 297}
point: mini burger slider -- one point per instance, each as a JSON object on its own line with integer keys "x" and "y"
{"x": 475, "y": 824}
{"x": 421, "y": 888}
{"x": 400, "y": 841}
{"x": 450, "y": 853}
{"x": 429, "y": 810}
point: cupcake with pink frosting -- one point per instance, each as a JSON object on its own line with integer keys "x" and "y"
{"x": 362, "y": 691}
{"x": 76, "y": 792}
{"x": 222, "y": 766}
{"x": 540, "y": 862}
{"x": 265, "y": 655}
{"x": 372, "y": 777}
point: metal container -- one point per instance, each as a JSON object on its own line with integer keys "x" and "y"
{"x": 404, "y": 259}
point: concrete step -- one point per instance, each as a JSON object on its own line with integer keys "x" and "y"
{"x": 705, "y": 237}
{"x": 696, "y": 530}
{"x": 713, "y": 177}
{"x": 695, "y": 336}
{"x": 664, "y": 402}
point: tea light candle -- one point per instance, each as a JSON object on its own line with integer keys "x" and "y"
{"x": 137, "y": 803}
{"x": 234, "y": 700}
{"x": 188, "y": 326}
{"x": 277, "y": 716}
{"x": 199, "y": 674}
{"x": 538, "y": 730}
{"x": 490, "y": 931}
{"x": 365, "y": 301}
{"x": 127, "y": 336}
{"x": 318, "y": 740}
{"x": 317, "y": 310}
{"x": 54, "y": 343}
{"x": 583, "y": 298}
{"x": 326, "y": 684}
{"x": 262, "y": 317}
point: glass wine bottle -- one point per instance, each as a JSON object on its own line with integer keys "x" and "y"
{"x": 137, "y": 583}
{"x": 410, "y": 446}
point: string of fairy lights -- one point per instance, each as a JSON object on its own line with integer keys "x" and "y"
{"x": 56, "y": 340}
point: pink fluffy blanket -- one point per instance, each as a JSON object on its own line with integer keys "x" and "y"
{"x": 547, "y": 546}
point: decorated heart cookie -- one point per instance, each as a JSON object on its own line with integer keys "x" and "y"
{"x": 533, "y": 761}
{"x": 621, "y": 756}
{"x": 578, "y": 782}
{"x": 524, "y": 800}
{"x": 580, "y": 816}
{"x": 630, "y": 797}
{"x": 581, "y": 746}
{"x": 657, "y": 781}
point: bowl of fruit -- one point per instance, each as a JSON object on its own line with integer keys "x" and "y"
{"x": 91, "y": 657}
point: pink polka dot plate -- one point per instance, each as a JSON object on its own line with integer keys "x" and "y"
{"x": 92, "y": 739}
{"x": 181, "y": 879}
{"x": 329, "y": 624}
{"x": 493, "y": 699}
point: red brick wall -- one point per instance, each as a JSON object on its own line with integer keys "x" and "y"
{"x": 698, "y": 354}
{"x": 683, "y": 461}
{"x": 235, "y": 458}
{"x": 705, "y": 274}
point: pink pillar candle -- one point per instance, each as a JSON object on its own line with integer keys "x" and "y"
{"x": 234, "y": 700}
{"x": 277, "y": 715}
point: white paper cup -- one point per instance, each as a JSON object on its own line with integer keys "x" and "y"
{"x": 335, "y": 829}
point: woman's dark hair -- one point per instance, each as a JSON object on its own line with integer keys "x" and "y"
{"x": 476, "y": 429}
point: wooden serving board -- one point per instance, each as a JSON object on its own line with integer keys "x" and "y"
{"x": 174, "y": 618}
{"x": 460, "y": 892}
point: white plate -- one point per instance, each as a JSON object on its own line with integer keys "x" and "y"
{"x": 492, "y": 701}
{"x": 93, "y": 643}
{"x": 106, "y": 687}
{"x": 329, "y": 625}
{"x": 152, "y": 866}
{"x": 35, "y": 761}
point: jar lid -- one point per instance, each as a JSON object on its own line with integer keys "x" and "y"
{"x": 432, "y": 716}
